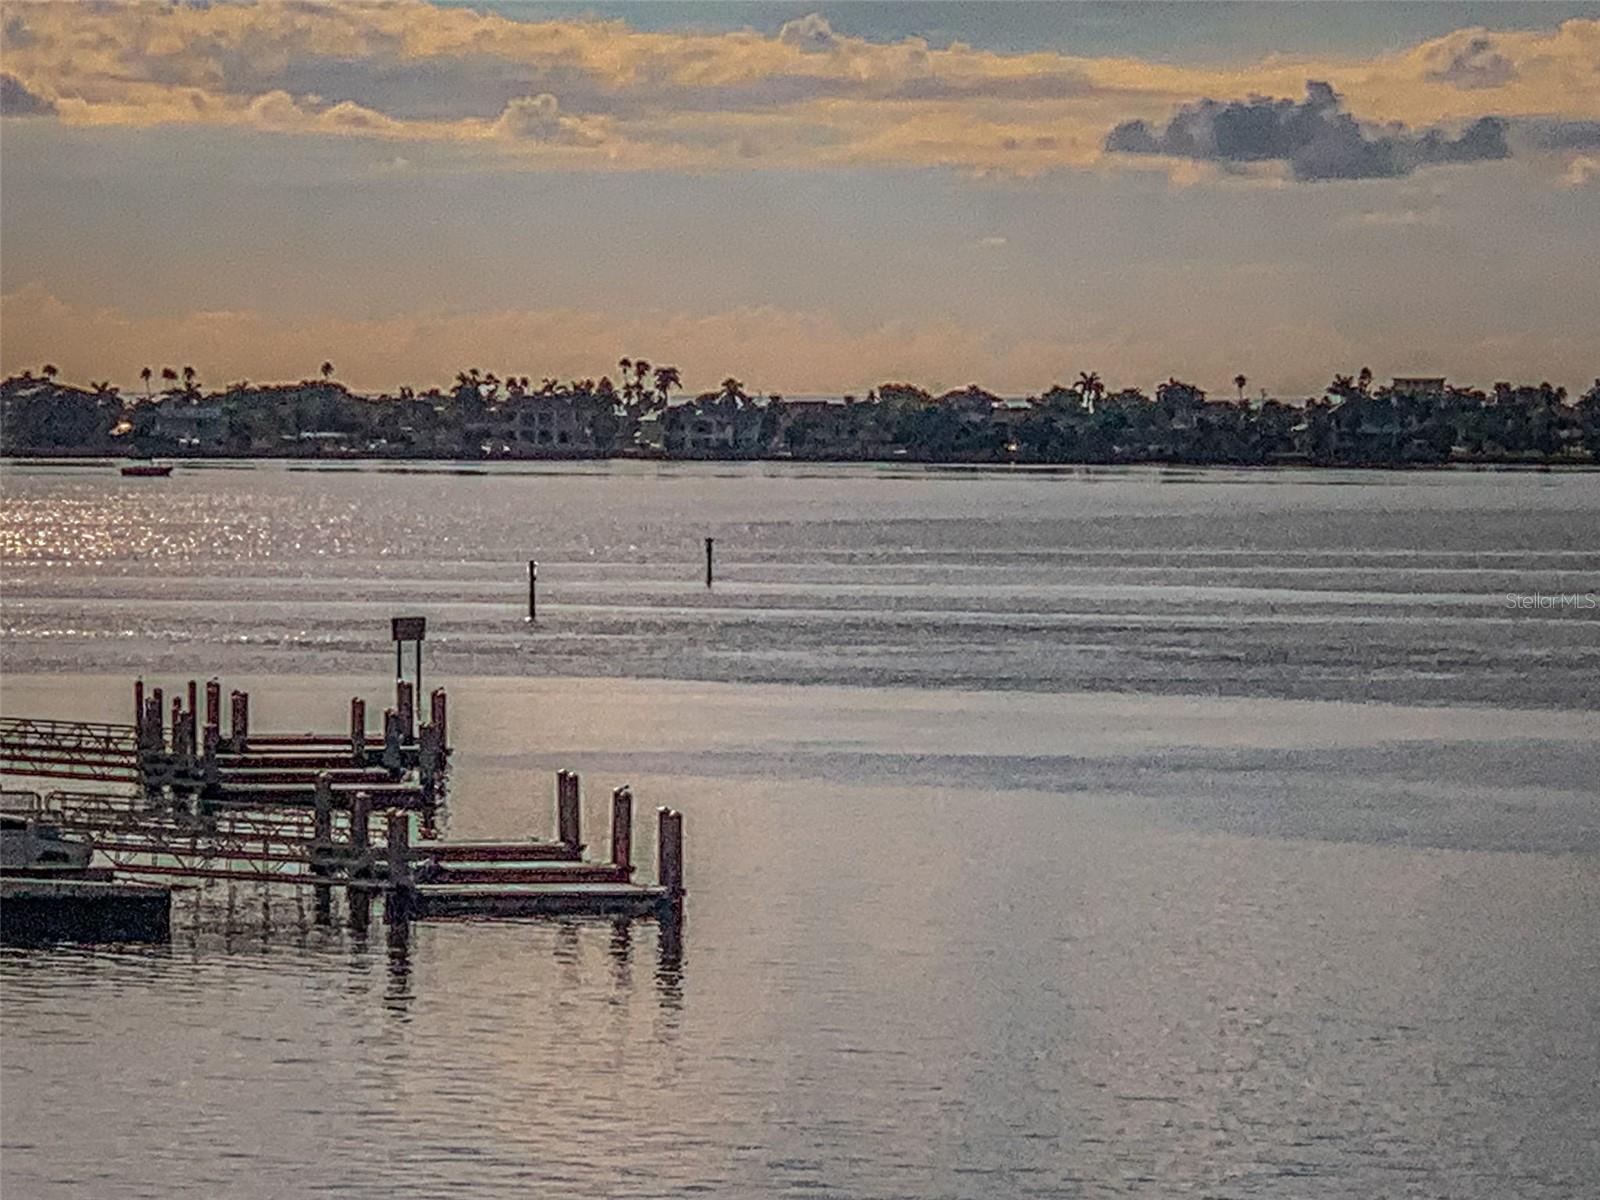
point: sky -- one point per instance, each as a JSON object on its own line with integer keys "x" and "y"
{"x": 811, "y": 198}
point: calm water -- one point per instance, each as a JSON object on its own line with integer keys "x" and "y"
{"x": 1083, "y": 834}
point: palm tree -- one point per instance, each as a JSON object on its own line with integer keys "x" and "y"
{"x": 1091, "y": 388}
{"x": 49, "y": 371}
{"x": 1239, "y": 381}
{"x": 1364, "y": 379}
{"x": 732, "y": 390}
{"x": 168, "y": 375}
{"x": 327, "y": 370}
{"x": 188, "y": 378}
{"x": 667, "y": 378}
{"x": 641, "y": 370}
{"x": 145, "y": 375}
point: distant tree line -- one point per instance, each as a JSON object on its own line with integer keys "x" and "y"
{"x": 483, "y": 415}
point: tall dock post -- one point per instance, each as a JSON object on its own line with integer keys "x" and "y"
{"x": 360, "y": 830}
{"x": 214, "y": 702}
{"x": 158, "y": 732}
{"x": 709, "y": 543}
{"x": 208, "y": 759}
{"x": 669, "y": 852}
{"x": 391, "y": 739}
{"x": 358, "y": 731}
{"x": 397, "y": 901}
{"x": 405, "y": 705}
{"x": 138, "y": 705}
{"x": 438, "y": 704}
{"x": 428, "y": 763}
{"x": 568, "y": 809}
{"x": 240, "y": 702}
{"x": 533, "y": 590}
{"x": 180, "y": 743}
{"x": 622, "y": 829}
{"x": 194, "y": 718}
{"x": 322, "y": 824}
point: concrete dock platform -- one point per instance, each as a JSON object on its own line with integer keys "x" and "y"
{"x": 34, "y": 911}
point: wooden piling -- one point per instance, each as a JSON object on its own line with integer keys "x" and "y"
{"x": 533, "y": 590}
{"x": 158, "y": 733}
{"x": 179, "y": 743}
{"x": 358, "y": 730}
{"x": 240, "y": 702}
{"x": 138, "y": 704}
{"x": 709, "y": 543}
{"x": 428, "y": 762}
{"x": 360, "y": 833}
{"x": 622, "y": 828}
{"x": 398, "y": 848}
{"x": 208, "y": 757}
{"x": 439, "y": 704}
{"x": 669, "y": 851}
{"x": 194, "y": 718}
{"x": 214, "y": 702}
{"x": 391, "y": 739}
{"x": 405, "y": 705}
{"x": 569, "y": 809}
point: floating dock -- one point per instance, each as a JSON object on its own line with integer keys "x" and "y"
{"x": 303, "y": 809}
{"x": 34, "y": 910}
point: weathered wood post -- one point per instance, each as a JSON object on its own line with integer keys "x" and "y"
{"x": 151, "y": 728}
{"x": 405, "y": 704}
{"x": 360, "y": 833}
{"x": 622, "y": 829}
{"x": 391, "y": 740}
{"x": 158, "y": 732}
{"x": 179, "y": 743}
{"x": 214, "y": 702}
{"x": 240, "y": 702}
{"x": 709, "y": 543}
{"x": 322, "y": 822}
{"x": 138, "y": 705}
{"x": 428, "y": 763}
{"x": 439, "y": 714}
{"x": 397, "y": 901}
{"x": 569, "y": 809}
{"x": 669, "y": 851}
{"x": 194, "y": 718}
{"x": 209, "y": 757}
{"x": 533, "y": 590}
{"x": 358, "y": 731}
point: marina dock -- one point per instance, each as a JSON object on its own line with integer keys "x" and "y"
{"x": 174, "y": 797}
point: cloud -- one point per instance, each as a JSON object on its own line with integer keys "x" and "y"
{"x": 1315, "y": 137}
{"x": 539, "y": 119}
{"x": 1581, "y": 171}
{"x": 802, "y": 95}
{"x": 1475, "y": 65}
{"x": 811, "y": 32}
{"x": 17, "y": 101}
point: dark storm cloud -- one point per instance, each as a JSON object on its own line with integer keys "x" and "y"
{"x": 17, "y": 101}
{"x": 1315, "y": 137}
{"x": 1476, "y": 65}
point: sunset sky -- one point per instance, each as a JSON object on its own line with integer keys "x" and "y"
{"x": 811, "y": 198}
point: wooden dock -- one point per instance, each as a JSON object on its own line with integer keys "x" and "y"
{"x": 35, "y": 910}
{"x": 353, "y": 809}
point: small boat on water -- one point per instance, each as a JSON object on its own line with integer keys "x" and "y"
{"x": 148, "y": 470}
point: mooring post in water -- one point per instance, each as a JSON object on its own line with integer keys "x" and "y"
{"x": 358, "y": 731}
{"x": 208, "y": 759}
{"x": 214, "y": 702}
{"x": 391, "y": 739}
{"x": 138, "y": 703}
{"x": 709, "y": 543}
{"x": 322, "y": 824}
{"x": 150, "y": 729}
{"x": 240, "y": 704}
{"x": 669, "y": 851}
{"x": 622, "y": 829}
{"x": 158, "y": 736}
{"x": 396, "y": 903}
{"x": 439, "y": 714}
{"x": 405, "y": 705}
{"x": 179, "y": 743}
{"x": 428, "y": 762}
{"x": 194, "y": 717}
{"x": 360, "y": 815}
{"x": 568, "y": 809}
{"x": 533, "y": 590}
